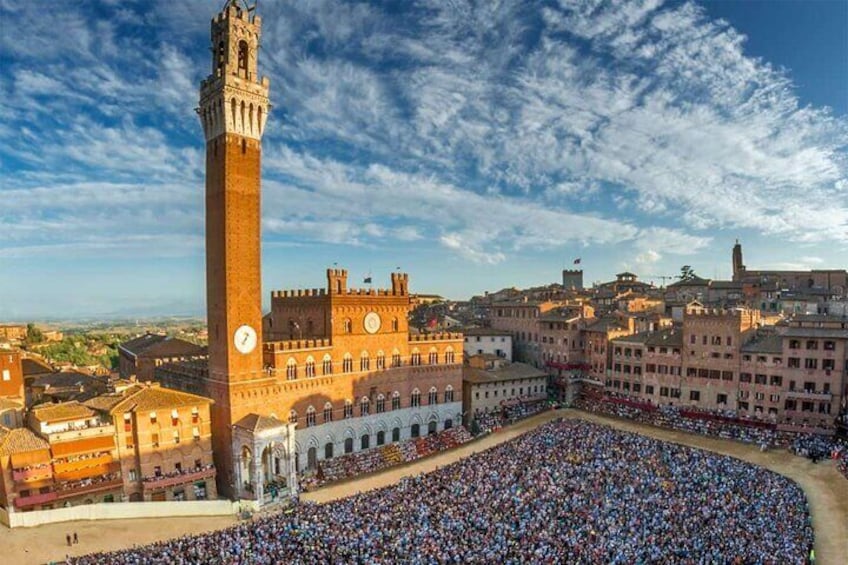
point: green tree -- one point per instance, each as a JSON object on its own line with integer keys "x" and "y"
{"x": 687, "y": 273}
{"x": 34, "y": 334}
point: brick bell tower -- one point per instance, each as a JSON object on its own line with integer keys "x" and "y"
{"x": 233, "y": 110}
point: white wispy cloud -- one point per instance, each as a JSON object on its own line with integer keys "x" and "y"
{"x": 482, "y": 128}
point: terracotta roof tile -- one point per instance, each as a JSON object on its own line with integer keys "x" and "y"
{"x": 172, "y": 347}
{"x": 34, "y": 367}
{"x": 64, "y": 411}
{"x": 7, "y": 403}
{"x": 156, "y": 398}
{"x": 139, "y": 344}
{"x": 105, "y": 402}
{"x": 19, "y": 440}
{"x": 507, "y": 372}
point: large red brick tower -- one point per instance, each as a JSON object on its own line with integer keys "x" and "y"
{"x": 233, "y": 110}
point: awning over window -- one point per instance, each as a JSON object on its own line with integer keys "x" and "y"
{"x": 88, "y": 445}
{"x": 30, "y": 458}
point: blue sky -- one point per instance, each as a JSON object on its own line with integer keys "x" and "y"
{"x": 476, "y": 145}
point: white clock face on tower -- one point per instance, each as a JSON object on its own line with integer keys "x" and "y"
{"x": 245, "y": 339}
{"x": 372, "y": 322}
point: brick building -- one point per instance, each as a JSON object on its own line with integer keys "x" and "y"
{"x": 164, "y": 442}
{"x": 478, "y": 341}
{"x": 834, "y": 281}
{"x": 142, "y": 443}
{"x": 26, "y": 475}
{"x": 793, "y": 374}
{"x": 337, "y": 369}
{"x": 139, "y": 356}
{"x": 490, "y": 382}
{"x": 62, "y": 386}
{"x": 11, "y": 388}
{"x": 13, "y": 332}
{"x": 83, "y": 458}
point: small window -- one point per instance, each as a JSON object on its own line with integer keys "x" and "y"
{"x": 153, "y": 417}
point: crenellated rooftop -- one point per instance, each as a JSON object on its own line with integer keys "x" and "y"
{"x": 295, "y": 345}
{"x": 441, "y": 336}
{"x": 299, "y": 292}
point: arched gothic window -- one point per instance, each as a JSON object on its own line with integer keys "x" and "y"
{"x": 381, "y": 403}
{"x": 364, "y": 361}
{"x": 449, "y": 393}
{"x": 222, "y": 55}
{"x": 310, "y": 416}
{"x": 449, "y": 356}
{"x": 364, "y": 406}
{"x": 415, "y": 399}
{"x": 293, "y": 417}
{"x": 347, "y": 363}
{"x": 310, "y": 367}
{"x": 242, "y": 58}
{"x": 433, "y": 396}
{"x": 395, "y": 400}
{"x": 328, "y": 364}
{"x": 291, "y": 369}
{"x": 328, "y": 412}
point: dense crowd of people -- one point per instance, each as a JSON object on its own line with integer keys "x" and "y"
{"x": 813, "y": 446}
{"x": 371, "y": 460}
{"x": 718, "y": 424}
{"x": 675, "y": 418}
{"x": 567, "y": 492}
{"x": 508, "y": 413}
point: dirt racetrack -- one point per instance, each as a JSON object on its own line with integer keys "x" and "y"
{"x": 826, "y": 490}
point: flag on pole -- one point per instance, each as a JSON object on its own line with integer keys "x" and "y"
{"x": 367, "y": 280}
{"x": 577, "y": 261}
